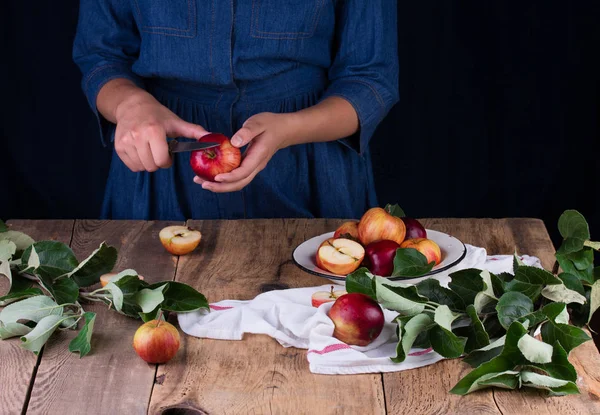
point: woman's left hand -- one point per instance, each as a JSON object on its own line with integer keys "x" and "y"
{"x": 266, "y": 133}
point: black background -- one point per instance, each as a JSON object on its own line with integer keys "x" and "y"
{"x": 498, "y": 113}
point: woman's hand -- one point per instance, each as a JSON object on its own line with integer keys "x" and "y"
{"x": 266, "y": 133}
{"x": 142, "y": 127}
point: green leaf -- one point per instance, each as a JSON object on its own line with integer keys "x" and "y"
{"x": 149, "y": 299}
{"x": 568, "y": 336}
{"x": 82, "y": 342}
{"x": 19, "y": 295}
{"x": 516, "y": 262}
{"x": 393, "y": 301}
{"x": 407, "y": 291}
{"x": 36, "y": 338}
{"x": 530, "y": 281}
{"x": 534, "y": 318}
{"x": 511, "y": 306}
{"x": 55, "y": 258}
{"x": 3, "y": 227}
{"x": 13, "y": 329}
{"x": 395, "y": 210}
{"x": 582, "y": 259}
{"x": 467, "y": 283}
{"x": 486, "y": 297}
{"x": 100, "y": 262}
{"x": 594, "y": 299}
{"x": 472, "y": 381}
{"x": 123, "y": 288}
{"x": 556, "y": 312}
{"x": 181, "y": 298}
{"x": 7, "y": 249}
{"x": 593, "y": 245}
{"x": 17, "y": 282}
{"x": 32, "y": 309}
{"x": 477, "y": 337}
{"x": 493, "y": 327}
{"x": 560, "y": 367}
{"x": 5, "y": 270}
{"x": 410, "y": 331}
{"x": 569, "y": 267}
{"x": 572, "y": 282}
{"x": 507, "y": 380}
{"x": 361, "y": 281}
{"x": 574, "y": 229}
{"x": 432, "y": 289}
{"x": 485, "y": 354}
{"x": 498, "y": 281}
{"x": 446, "y": 343}
{"x": 33, "y": 260}
{"x": 556, "y": 387}
{"x": 146, "y": 317}
{"x": 409, "y": 262}
{"x": 21, "y": 240}
{"x": 64, "y": 291}
{"x": 560, "y": 293}
{"x": 444, "y": 317}
{"x": 534, "y": 350}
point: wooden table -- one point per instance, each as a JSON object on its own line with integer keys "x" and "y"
{"x": 238, "y": 260}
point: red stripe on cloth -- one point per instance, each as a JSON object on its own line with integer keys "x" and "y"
{"x": 330, "y": 348}
{"x": 421, "y": 353}
{"x": 220, "y": 307}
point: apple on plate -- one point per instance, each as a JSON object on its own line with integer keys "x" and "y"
{"x": 156, "y": 341}
{"x": 105, "y": 278}
{"x": 322, "y": 297}
{"x": 379, "y": 257}
{"x": 358, "y": 319}
{"x": 414, "y": 229}
{"x": 427, "y": 247}
{"x": 210, "y": 162}
{"x": 340, "y": 255}
{"x": 347, "y": 230}
{"x": 376, "y": 224}
{"x": 179, "y": 240}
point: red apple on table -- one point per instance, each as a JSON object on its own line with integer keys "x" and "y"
{"x": 322, "y": 297}
{"x": 379, "y": 257}
{"x": 340, "y": 256}
{"x": 179, "y": 240}
{"x": 358, "y": 319}
{"x": 210, "y": 162}
{"x": 427, "y": 247}
{"x": 347, "y": 230}
{"x": 414, "y": 229}
{"x": 156, "y": 341}
{"x": 376, "y": 224}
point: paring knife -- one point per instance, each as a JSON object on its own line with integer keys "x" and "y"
{"x": 178, "y": 147}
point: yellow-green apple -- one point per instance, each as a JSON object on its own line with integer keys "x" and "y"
{"x": 358, "y": 319}
{"x": 156, "y": 341}
{"x": 376, "y": 224}
{"x": 347, "y": 230}
{"x": 179, "y": 240}
{"x": 210, "y": 162}
{"x": 414, "y": 229}
{"x": 322, "y": 297}
{"x": 340, "y": 255}
{"x": 379, "y": 257}
{"x": 427, "y": 247}
{"x": 105, "y": 278}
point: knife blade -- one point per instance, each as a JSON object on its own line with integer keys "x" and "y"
{"x": 179, "y": 147}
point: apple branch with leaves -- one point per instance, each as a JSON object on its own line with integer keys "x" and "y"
{"x": 48, "y": 286}
{"x": 515, "y": 329}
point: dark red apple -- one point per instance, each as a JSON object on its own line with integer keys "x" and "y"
{"x": 414, "y": 229}
{"x": 213, "y": 161}
{"x": 358, "y": 319}
{"x": 379, "y": 257}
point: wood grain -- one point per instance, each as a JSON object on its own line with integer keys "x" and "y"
{"x": 18, "y": 365}
{"x": 239, "y": 260}
{"x": 112, "y": 379}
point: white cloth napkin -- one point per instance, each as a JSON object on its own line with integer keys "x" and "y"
{"x": 288, "y": 317}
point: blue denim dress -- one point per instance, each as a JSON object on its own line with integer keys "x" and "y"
{"x": 216, "y": 63}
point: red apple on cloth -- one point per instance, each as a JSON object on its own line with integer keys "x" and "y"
{"x": 347, "y": 230}
{"x": 379, "y": 257}
{"x": 376, "y": 224}
{"x": 414, "y": 229}
{"x": 179, "y": 240}
{"x": 427, "y": 247}
{"x": 156, "y": 341}
{"x": 322, "y": 297}
{"x": 340, "y": 256}
{"x": 213, "y": 161}
{"x": 358, "y": 319}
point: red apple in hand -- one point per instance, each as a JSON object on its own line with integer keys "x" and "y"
{"x": 213, "y": 161}
{"x": 379, "y": 257}
{"x": 414, "y": 229}
{"x": 156, "y": 341}
{"x": 358, "y": 319}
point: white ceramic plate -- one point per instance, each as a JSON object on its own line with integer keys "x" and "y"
{"x": 453, "y": 251}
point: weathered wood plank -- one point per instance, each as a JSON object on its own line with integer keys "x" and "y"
{"x": 112, "y": 379}
{"x": 18, "y": 365}
{"x": 238, "y": 260}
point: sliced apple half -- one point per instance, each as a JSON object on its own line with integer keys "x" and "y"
{"x": 340, "y": 255}
{"x": 179, "y": 240}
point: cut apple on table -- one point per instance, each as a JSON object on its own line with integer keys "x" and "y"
{"x": 179, "y": 240}
{"x": 340, "y": 255}
{"x": 322, "y": 297}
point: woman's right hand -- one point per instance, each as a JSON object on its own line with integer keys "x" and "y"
{"x": 143, "y": 124}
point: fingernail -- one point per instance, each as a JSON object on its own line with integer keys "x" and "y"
{"x": 236, "y": 141}
{"x": 218, "y": 178}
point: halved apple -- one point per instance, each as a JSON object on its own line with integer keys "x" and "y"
{"x": 179, "y": 240}
{"x": 340, "y": 255}
{"x": 322, "y": 297}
